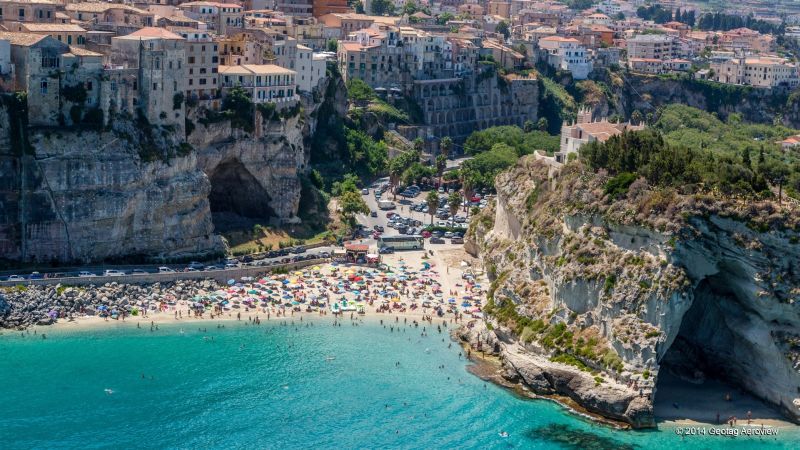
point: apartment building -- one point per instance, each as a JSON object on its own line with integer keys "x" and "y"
{"x": 653, "y": 46}
{"x": 310, "y": 68}
{"x": 758, "y": 71}
{"x": 66, "y": 33}
{"x": 202, "y": 63}
{"x": 566, "y": 54}
{"x": 263, "y": 82}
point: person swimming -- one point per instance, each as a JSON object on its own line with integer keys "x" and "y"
{"x": 503, "y": 434}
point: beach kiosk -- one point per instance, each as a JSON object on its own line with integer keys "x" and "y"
{"x": 356, "y": 253}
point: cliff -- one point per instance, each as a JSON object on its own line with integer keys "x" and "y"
{"x": 134, "y": 190}
{"x": 623, "y": 93}
{"x": 592, "y": 298}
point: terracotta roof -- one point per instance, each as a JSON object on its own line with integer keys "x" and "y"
{"x": 152, "y": 33}
{"x": 22, "y": 39}
{"x": 101, "y": 7}
{"x": 357, "y": 247}
{"x": 255, "y": 69}
{"x": 52, "y": 27}
{"x": 355, "y": 46}
{"x": 559, "y": 39}
{"x": 77, "y": 51}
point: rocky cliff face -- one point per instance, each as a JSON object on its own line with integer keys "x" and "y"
{"x": 592, "y": 298}
{"x": 627, "y": 93}
{"x": 137, "y": 190}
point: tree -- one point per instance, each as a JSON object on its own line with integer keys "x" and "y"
{"x": 445, "y": 145}
{"x": 527, "y": 126}
{"x": 332, "y": 45}
{"x": 419, "y": 145}
{"x": 776, "y": 172}
{"x": 443, "y": 18}
{"x": 503, "y": 29}
{"x": 432, "y": 199}
{"x": 441, "y": 164}
{"x": 382, "y": 7}
{"x": 746, "y": 158}
{"x": 636, "y": 117}
{"x": 350, "y": 204}
{"x": 454, "y": 202}
{"x": 542, "y": 124}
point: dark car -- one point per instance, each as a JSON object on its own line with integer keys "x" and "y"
{"x": 386, "y": 250}
{"x": 436, "y": 240}
{"x": 378, "y": 228}
{"x": 35, "y": 276}
{"x": 373, "y": 213}
{"x": 457, "y": 240}
{"x": 436, "y": 234}
{"x": 247, "y": 259}
{"x": 299, "y": 250}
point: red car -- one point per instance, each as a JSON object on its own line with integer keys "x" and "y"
{"x": 426, "y": 234}
{"x": 389, "y": 215}
{"x": 475, "y": 199}
{"x": 376, "y": 235}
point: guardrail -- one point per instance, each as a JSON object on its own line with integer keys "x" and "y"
{"x": 221, "y": 276}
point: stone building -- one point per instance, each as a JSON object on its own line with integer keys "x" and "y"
{"x": 566, "y": 54}
{"x": 42, "y": 11}
{"x": 67, "y": 33}
{"x": 159, "y": 56}
{"x": 202, "y": 63}
{"x": 456, "y": 107}
{"x": 585, "y": 130}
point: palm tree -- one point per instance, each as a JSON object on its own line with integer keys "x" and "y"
{"x": 454, "y": 202}
{"x": 433, "y": 201}
{"x": 445, "y": 145}
{"x": 441, "y": 164}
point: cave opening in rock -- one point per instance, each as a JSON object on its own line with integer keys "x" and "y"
{"x": 237, "y": 199}
{"x": 706, "y": 373}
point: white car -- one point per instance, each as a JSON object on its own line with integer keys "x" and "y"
{"x": 16, "y": 278}
{"x": 85, "y": 274}
{"x": 113, "y": 273}
{"x": 165, "y": 270}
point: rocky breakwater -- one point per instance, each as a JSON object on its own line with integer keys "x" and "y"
{"x": 25, "y": 306}
{"x": 592, "y": 297}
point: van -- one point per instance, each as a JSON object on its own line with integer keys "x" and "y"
{"x": 386, "y": 204}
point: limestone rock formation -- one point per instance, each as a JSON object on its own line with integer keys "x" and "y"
{"x": 140, "y": 190}
{"x": 597, "y": 296}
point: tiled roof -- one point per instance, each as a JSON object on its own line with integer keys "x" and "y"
{"x": 52, "y": 27}
{"x": 152, "y": 33}
{"x": 23, "y": 39}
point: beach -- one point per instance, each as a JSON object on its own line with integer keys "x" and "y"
{"x": 431, "y": 276}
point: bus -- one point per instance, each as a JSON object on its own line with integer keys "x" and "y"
{"x": 402, "y": 242}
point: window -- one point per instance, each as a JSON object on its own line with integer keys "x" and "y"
{"x": 158, "y": 63}
{"x": 41, "y": 14}
{"x": 88, "y": 85}
{"x": 81, "y": 40}
{"x": 191, "y": 82}
{"x": 135, "y": 85}
{"x": 113, "y": 85}
{"x": 202, "y": 81}
{"x": 191, "y": 71}
{"x": 191, "y": 60}
{"x": 44, "y": 86}
{"x": 69, "y": 40}
{"x": 174, "y": 85}
{"x": 155, "y": 86}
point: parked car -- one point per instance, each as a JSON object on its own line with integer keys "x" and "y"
{"x": 378, "y": 228}
{"x": 16, "y": 278}
{"x": 247, "y": 259}
{"x": 373, "y": 213}
{"x": 436, "y": 234}
{"x": 138, "y": 272}
{"x": 196, "y": 265}
{"x": 441, "y": 189}
{"x": 457, "y": 240}
{"x": 190, "y": 269}
{"x": 436, "y": 240}
{"x": 208, "y": 268}
{"x": 390, "y": 214}
{"x": 35, "y": 276}
{"x": 231, "y": 266}
{"x": 386, "y": 250}
{"x": 113, "y": 273}
{"x": 448, "y": 234}
{"x": 165, "y": 269}
{"x": 365, "y": 192}
{"x": 325, "y": 255}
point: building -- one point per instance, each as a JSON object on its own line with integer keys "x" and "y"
{"x": 322, "y": 7}
{"x": 36, "y": 59}
{"x": 759, "y": 71}
{"x": 158, "y": 57}
{"x": 657, "y": 66}
{"x": 218, "y": 16}
{"x": 42, "y": 11}
{"x": 310, "y": 68}
{"x": 300, "y": 8}
{"x": 584, "y": 130}
{"x": 500, "y": 8}
{"x": 114, "y": 17}
{"x": 566, "y": 54}
{"x": 6, "y": 66}
{"x": 66, "y": 33}
{"x": 263, "y": 82}
{"x": 653, "y": 46}
{"x": 202, "y": 63}
{"x": 790, "y": 142}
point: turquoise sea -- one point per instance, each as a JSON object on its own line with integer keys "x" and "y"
{"x": 276, "y": 387}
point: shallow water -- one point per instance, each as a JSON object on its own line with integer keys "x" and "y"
{"x": 274, "y": 387}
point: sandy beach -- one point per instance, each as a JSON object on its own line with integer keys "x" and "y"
{"x": 447, "y": 264}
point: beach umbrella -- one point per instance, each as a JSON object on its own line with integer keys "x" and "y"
{"x": 231, "y": 282}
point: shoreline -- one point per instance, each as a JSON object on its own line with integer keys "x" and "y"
{"x": 488, "y": 369}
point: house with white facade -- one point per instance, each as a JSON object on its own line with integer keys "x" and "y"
{"x": 566, "y": 54}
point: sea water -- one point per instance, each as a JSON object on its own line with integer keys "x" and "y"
{"x": 282, "y": 387}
